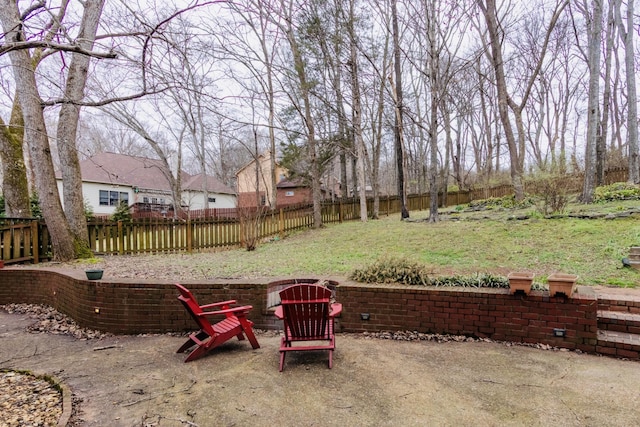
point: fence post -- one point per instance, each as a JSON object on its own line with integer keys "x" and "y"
{"x": 120, "y": 238}
{"x": 281, "y": 220}
{"x": 34, "y": 242}
{"x": 189, "y": 235}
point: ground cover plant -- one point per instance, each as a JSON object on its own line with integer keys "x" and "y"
{"x": 491, "y": 242}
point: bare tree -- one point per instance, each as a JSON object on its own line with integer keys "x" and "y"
{"x": 626, "y": 34}
{"x": 15, "y": 187}
{"x": 357, "y": 113}
{"x": 255, "y": 50}
{"x": 66, "y": 243}
{"x": 505, "y": 100}
{"x": 396, "y": 90}
{"x": 68, "y": 127}
{"x": 170, "y": 156}
{"x": 595, "y": 37}
{"x": 303, "y": 85}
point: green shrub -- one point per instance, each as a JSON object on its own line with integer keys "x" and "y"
{"x": 507, "y": 202}
{"x": 478, "y": 280}
{"x": 122, "y": 213}
{"x": 553, "y": 192}
{"x": 88, "y": 211}
{"x": 617, "y": 191}
{"x": 394, "y": 270}
{"x": 36, "y": 210}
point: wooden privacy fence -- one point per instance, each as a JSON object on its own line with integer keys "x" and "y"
{"x": 27, "y": 240}
{"x": 23, "y": 240}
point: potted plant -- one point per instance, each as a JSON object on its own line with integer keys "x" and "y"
{"x": 94, "y": 274}
{"x": 560, "y": 283}
{"x": 520, "y": 282}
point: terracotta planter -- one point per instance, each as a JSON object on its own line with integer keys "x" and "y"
{"x": 520, "y": 282}
{"x": 560, "y": 283}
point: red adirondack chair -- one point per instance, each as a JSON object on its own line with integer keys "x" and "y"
{"x": 234, "y": 324}
{"x": 308, "y": 316}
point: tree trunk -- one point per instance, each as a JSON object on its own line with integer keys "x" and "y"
{"x": 312, "y": 154}
{"x": 15, "y": 186}
{"x": 601, "y": 139}
{"x": 434, "y": 77}
{"x": 397, "y": 94}
{"x": 35, "y": 133}
{"x": 503, "y": 102}
{"x": 595, "y": 34}
{"x": 632, "y": 102}
{"x": 357, "y": 117}
{"x": 68, "y": 127}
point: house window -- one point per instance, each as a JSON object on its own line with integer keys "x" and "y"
{"x": 162, "y": 201}
{"x": 263, "y": 200}
{"x": 145, "y": 200}
{"x": 154, "y": 200}
{"x": 104, "y": 198}
{"x": 212, "y": 199}
{"x": 113, "y": 198}
{"x": 289, "y": 194}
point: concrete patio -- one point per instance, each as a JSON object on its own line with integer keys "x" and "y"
{"x": 141, "y": 381}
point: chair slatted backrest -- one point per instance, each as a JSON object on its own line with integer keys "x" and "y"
{"x": 306, "y": 312}
{"x": 191, "y": 305}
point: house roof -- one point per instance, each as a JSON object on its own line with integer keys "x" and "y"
{"x": 142, "y": 172}
{"x": 196, "y": 182}
{"x": 265, "y": 155}
{"x": 292, "y": 183}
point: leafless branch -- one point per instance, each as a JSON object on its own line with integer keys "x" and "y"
{"x": 104, "y": 101}
{"x": 34, "y": 44}
{"x": 30, "y": 10}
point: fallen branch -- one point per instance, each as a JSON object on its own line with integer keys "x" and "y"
{"x": 106, "y": 347}
{"x": 515, "y": 385}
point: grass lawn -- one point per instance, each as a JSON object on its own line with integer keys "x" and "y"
{"x": 484, "y": 242}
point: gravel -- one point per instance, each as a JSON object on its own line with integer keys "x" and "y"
{"x": 49, "y": 320}
{"x": 28, "y": 400}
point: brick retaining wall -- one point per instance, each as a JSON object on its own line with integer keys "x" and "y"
{"x": 490, "y": 313}
{"x": 127, "y": 306}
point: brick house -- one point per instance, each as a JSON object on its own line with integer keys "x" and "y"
{"x": 251, "y": 193}
{"x": 293, "y": 192}
{"x": 289, "y": 191}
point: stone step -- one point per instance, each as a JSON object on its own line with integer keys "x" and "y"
{"x": 619, "y": 321}
{"x": 620, "y": 303}
{"x": 618, "y": 344}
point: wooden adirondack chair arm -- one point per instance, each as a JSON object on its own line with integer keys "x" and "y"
{"x": 278, "y": 313}
{"x": 235, "y": 310}
{"x": 218, "y": 304}
{"x": 336, "y": 309}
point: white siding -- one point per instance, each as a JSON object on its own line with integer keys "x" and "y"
{"x": 195, "y": 200}
{"x": 91, "y": 192}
